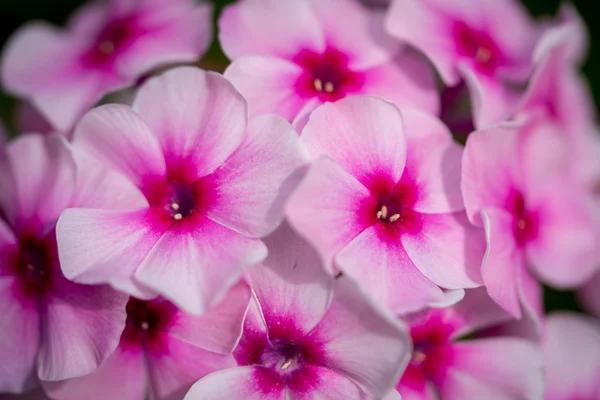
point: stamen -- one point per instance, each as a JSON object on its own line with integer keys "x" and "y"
{"x": 394, "y": 217}
{"x": 107, "y": 47}
{"x": 145, "y": 326}
{"x": 483, "y": 54}
{"x": 178, "y": 216}
{"x": 379, "y": 214}
{"x": 419, "y": 357}
{"x": 329, "y": 87}
{"x": 287, "y": 364}
{"x": 318, "y": 85}
{"x": 175, "y": 206}
{"x": 384, "y": 212}
{"x": 521, "y": 224}
{"x": 30, "y": 267}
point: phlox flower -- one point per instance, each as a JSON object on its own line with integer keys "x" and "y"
{"x": 291, "y": 56}
{"x": 571, "y": 348}
{"x": 469, "y": 40}
{"x": 211, "y": 183}
{"x": 162, "y": 351}
{"x": 382, "y": 203}
{"x": 106, "y": 46}
{"x": 52, "y": 328}
{"x": 308, "y": 336}
{"x": 446, "y": 366}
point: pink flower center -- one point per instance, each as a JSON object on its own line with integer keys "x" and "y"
{"x": 327, "y": 75}
{"x": 525, "y": 222}
{"x": 146, "y": 320}
{"x": 395, "y": 204}
{"x": 111, "y": 41}
{"x": 35, "y": 263}
{"x": 478, "y": 46}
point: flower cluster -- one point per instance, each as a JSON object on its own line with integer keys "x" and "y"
{"x": 364, "y": 206}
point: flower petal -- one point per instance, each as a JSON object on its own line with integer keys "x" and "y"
{"x": 195, "y": 266}
{"x": 326, "y": 208}
{"x": 253, "y": 184}
{"x": 382, "y": 268}
{"x": 365, "y": 135}
{"x": 590, "y": 295}
{"x": 361, "y": 341}
{"x": 199, "y": 117}
{"x": 326, "y": 385}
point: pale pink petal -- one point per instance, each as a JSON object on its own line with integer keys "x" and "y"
{"x": 270, "y": 27}
{"x": 490, "y": 169}
{"x": 20, "y": 324}
{"x": 195, "y": 266}
{"x": 571, "y": 349}
{"x": 362, "y": 342}
{"x": 515, "y": 373}
{"x": 383, "y": 269}
{"x": 329, "y": 385}
{"x": 84, "y": 236}
{"x": 43, "y": 179}
{"x": 303, "y": 115}
{"x": 326, "y": 208}
{"x": 448, "y": 250}
{"x": 407, "y": 81}
{"x": 237, "y": 383}
{"x": 451, "y": 297}
{"x": 365, "y": 135}
{"x": 81, "y": 329}
{"x": 291, "y": 283}
{"x": 359, "y": 33}
{"x": 198, "y": 116}
{"x": 101, "y": 187}
{"x": 254, "y": 183}
{"x": 117, "y": 136}
{"x": 219, "y": 329}
{"x": 503, "y": 261}
{"x": 172, "y": 374}
{"x": 89, "y": 19}
{"x": 590, "y": 295}
{"x": 476, "y": 311}
{"x": 532, "y": 304}
{"x": 121, "y": 376}
{"x": 269, "y": 84}
{"x": 395, "y": 395}
{"x": 433, "y": 164}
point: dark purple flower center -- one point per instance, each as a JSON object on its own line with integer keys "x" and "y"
{"x": 182, "y": 202}
{"x": 525, "y": 222}
{"x": 111, "y": 41}
{"x": 35, "y": 265}
{"x": 146, "y": 320}
{"x": 478, "y": 46}
{"x": 327, "y": 75}
{"x": 395, "y": 204}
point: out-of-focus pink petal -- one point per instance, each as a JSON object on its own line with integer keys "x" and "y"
{"x": 329, "y": 386}
{"x": 516, "y": 370}
{"x": 532, "y": 304}
{"x": 448, "y": 250}
{"x": 121, "y": 376}
{"x": 451, "y": 297}
{"x": 269, "y": 85}
{"x": 29, "y": 119}
{"x": 83, "y": 235}
{"x": 194, "y": 267}
{"x": 407, "y": 81}
{"x": 571, "y": 349}
{"x": 254, "y": 183}
{"x": 590, "y": 295}
{"x": 198, "y": 116}
{"x": 326, "y": 208}
{"x": 385, "y": 271}
{"x": 361, "y": 341}
{"x": 476, "y": 311}
{"x": 237, "y": 383}
{"x": 219, "y": 329}
{"x": 43, "y": 179}
{"x": 365, "y": 135}
{"x": 503, "y": 261}
{"x": 20, "y": 325}
{"x": 173, "y": 374}
{"x": 82, "y": 327}
{"x": 395, "y": 395}
{"x": 271, "y": 27}
{"x": 433, "y": 163}
{"x": 291, "y": 283}
{"x": 118, "y": 137}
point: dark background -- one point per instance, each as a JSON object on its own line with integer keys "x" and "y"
{"x": 14, "y": 13}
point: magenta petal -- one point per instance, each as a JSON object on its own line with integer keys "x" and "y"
{"x": 291, "y": 283}
{"x": 326, "y": 208}
{"x": 200, "y": 117}
{"x": 195, "y": 266}
{"x": 248, "y": 383}
{"x": 385, "y": 271}
{"x": 365, "y": 135}
{"x": 447, "y": 250}
{"x": 43, "y": 179}
{"x": 269, "y": 85}
{"x": 571, "y": 348}
{"x": 269, "y": 27}
{"x": 20, "y": 327}
{"x": 121, "y": 376}
{"x": 82, "y": 327}
{"x": 516, "y": 371}
{"x": 83, "y": 235}
{"x": 361, "y": 341}
{"x": 253, "y": 184}
{"x": 329, "y": 385}
{"x": 118, "y": 137}
{"x": 219, "y": 329}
